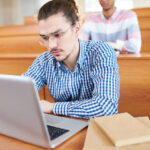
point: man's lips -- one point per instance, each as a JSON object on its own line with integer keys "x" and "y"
{"x": 55, "y": 52}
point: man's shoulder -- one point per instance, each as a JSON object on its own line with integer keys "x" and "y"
{"x": 98, "y": 48}
{"x": 127, "y": 13}
{"x": 90, "y": 44}
{"x": 45, "y": 57}
{"x": 93, "y": 18}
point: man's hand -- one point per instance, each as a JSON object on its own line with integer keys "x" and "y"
{"x": 47, "y": 107}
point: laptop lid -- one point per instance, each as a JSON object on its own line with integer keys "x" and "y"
{"x": 21, "y": 116}
{"x": 20, "y": 113}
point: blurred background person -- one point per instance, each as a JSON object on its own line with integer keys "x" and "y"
{"x": 117, "y": 27}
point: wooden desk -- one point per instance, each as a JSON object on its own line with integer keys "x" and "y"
{"x": 74, "y": 143}
{"x": 134, "y": 84}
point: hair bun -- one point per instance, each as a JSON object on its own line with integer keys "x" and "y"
{"x": 72, "y": 1}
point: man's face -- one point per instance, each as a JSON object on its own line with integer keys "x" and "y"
{"x": 107, "y": 4}
{"x": 59, "y": 36}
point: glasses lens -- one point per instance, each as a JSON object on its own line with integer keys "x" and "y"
{"x": 42, "y": 42}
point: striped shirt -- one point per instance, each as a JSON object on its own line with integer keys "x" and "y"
{"x": 121, "y": 26}
{"x": 91, "y": 90}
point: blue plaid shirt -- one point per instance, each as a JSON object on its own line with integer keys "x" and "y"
{"x": 91, "y": 90}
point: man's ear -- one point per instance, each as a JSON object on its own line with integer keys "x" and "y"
{"x": 77, "y": 28}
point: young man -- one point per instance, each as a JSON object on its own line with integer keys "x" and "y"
{"x": 118, "y": 27}
{"x": 82, "y": 76}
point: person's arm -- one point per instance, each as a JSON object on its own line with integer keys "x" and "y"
{"x": 37, "y": 73}
{"x": 105, "y": 95}
{"x": 46, "y": 106}
{"x": 132, "y": 43}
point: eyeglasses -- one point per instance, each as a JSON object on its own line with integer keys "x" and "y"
{"x": 58, "y": 36}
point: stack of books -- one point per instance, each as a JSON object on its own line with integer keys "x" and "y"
{"x": 118, "y": 132}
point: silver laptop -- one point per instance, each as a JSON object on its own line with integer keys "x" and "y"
{"x": 21, "y": 116}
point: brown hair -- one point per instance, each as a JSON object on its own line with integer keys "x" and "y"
{"x": 67, "y": 7}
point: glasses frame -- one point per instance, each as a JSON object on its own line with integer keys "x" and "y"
{"x": 44, "y": 42}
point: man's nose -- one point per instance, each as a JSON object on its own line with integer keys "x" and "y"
{"x": 52, "y": 43}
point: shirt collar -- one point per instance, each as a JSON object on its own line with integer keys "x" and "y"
{"x": 113, "y": 17}
{"x": 81, "y": 53}
{"x": 80, "y": 58}
{"x": 59, "y": 64}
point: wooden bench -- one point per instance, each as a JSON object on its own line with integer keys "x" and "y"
{"x": 24, "y": 38}
{"x": 20, "y": 39}
{"x": 144, "y": 23}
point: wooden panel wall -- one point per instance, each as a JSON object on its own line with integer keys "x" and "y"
{"x": 144, "y": 23}
{"x": 134, "y": 86}
{"x": 20, "y": 39}
{"x": 17, "y": 65}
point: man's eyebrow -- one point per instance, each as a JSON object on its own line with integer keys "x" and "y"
{"x": 59, "y": 30}
{"x": 42, "y": 35}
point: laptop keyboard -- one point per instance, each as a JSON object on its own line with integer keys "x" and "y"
{"x": 55, "y": 132}
{"x": 53, "y": 119}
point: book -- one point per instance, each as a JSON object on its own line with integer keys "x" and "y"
{"x": 123, "y": 129}
{"x": 96, "y": 139}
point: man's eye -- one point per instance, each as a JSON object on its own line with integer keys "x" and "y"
{"x": 58, "y": 35}
{"x": 45, "y": 38}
